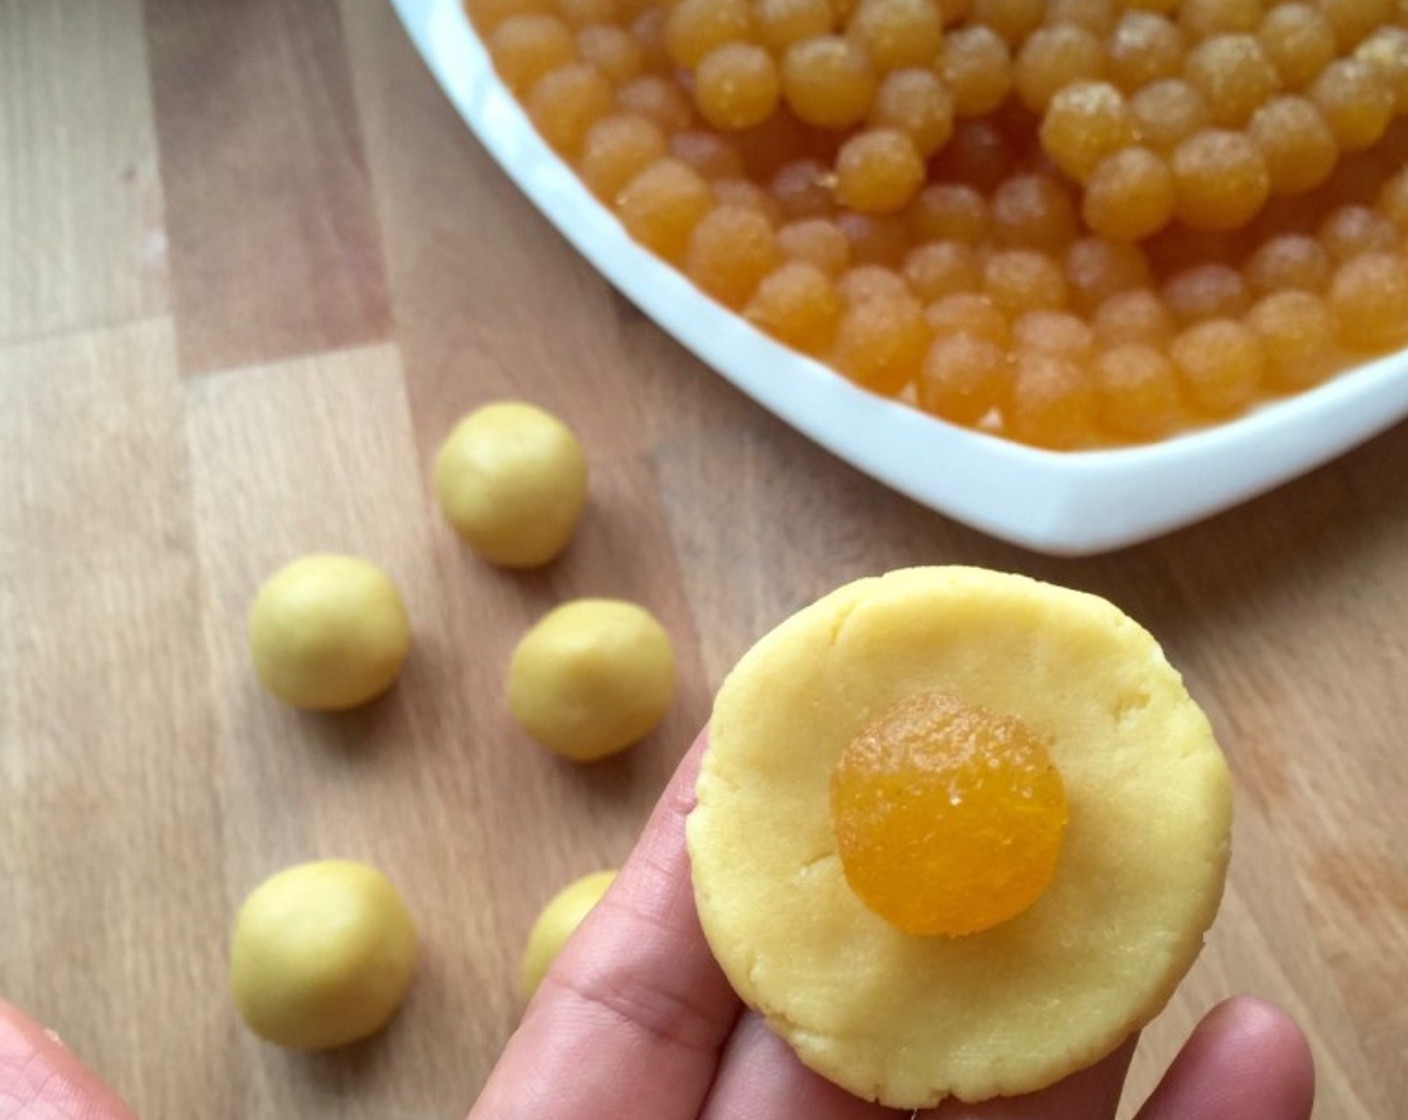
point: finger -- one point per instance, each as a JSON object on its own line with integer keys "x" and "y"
{"x": 40, "y": 1079}
{"x": 1090, "y": 1094}
{"x": 631, "y": 1017}
{"x": 760, "y": 1079}
{"x": 1247, "y": 1060}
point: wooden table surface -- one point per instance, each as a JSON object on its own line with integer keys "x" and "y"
{"x": 252, "y": 268}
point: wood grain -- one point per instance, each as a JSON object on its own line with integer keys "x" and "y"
{"x": 349, "y": 273}
{"x": 268, "y": 208}
{"x": 81, "y": 233}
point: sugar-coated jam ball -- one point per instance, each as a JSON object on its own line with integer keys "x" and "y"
{"x": 1130, "y": 195}
{"x": 875, "y": 238}
{"x": 1097, "y": 269}
{"x": 941, "y": 268}
{"x": 817, "y": 242}
{"x": 965, "y": 376}
{"x": 736, "y": 86}
{"x": 526, "y": 47}
{"x": 1299, "y": 41}
{"x": 658, "y": 99}
{"x": 589, "y": 13}
{"x": 880, "y": 343}
{"x": 1133, "y": 317}
{"x": 1355, "y": 19}
{"x": 616, "y": 149}
{"x": 1220, "y": 180}
{"x": 1220, "y": 365}
{"x": 1085, "y": 123}
{"x": 1392, "y": 200}
{"x": 798, "y": 305}
{"x": 878, "y": 171}
{"x": 613, "y": 51}
{"x": 977, "y": 69}
{"x": 1289, "y": 261}
{"x": 870, "y": 281}
{"x": 730, "y": 251}
{"x": 802, "y": 190}
{"x": 1099, "y": 16}
{"x": 1299, "y": 149}
{"x": 661, "y": 206}
{"x": 968, "y": 313}
{"x": 566, "y": 102}
{"x": 1052, "y": 403}
{"x": 828, "y": 81}
{"x": 1058, "y": 333}
{"x": 1206, "y": 291}
{"x": 897, "y": 33}
{"x": 696, "y": 27}
{"x": 1167, "y": 112}
{"x": 1355, "y": 100}
{"x": 954, "y": 212}
{"x": 1054, "y": 57}
{"x": 1136, "y": 392}
{"x": 780, "y": 23}
{"x": 1234, "y": 76}
{"x": 1369, "y": 296}
{"x": 1145, "y": 48}
{"x": 915, "y": 102}
{"x": 974, "y": 839}
{"x": 1033, "y": 211}
{"x": 1014, "y": 20}
{"x": 1019, "y": 280}
{"x": 747, "y": 195}
{"x": 488, "y": 14}
{"x": 1203, "y": 19}
{"x": 1352, "y": 229}
{"x": 648, "y": 29}
{"x": 1387, "y": 51}
{"x": 1297, "y": 331}
{"x": 709, "y": 153}
{"x": 978, "y": 155}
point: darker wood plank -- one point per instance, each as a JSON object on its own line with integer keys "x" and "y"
{"x": 273, "y": 239}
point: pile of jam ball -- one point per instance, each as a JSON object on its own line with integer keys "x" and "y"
{"x": 1069, "y": 223}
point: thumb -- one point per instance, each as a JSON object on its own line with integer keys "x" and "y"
{"x": 40, "y": 1079}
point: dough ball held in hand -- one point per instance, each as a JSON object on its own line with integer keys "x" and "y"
{"x": 328, "y": 632}
{"x": 322, "y": 955}
{"x": 559, "y": 920}
{"x": 591, "y": 678}
{"x": 512, "y": 480}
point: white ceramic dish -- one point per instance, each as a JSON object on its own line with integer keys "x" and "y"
{"x": 1076, "y": 503}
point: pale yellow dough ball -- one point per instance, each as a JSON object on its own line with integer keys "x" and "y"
{"x": 328, "y": 632}
{"x": 559, "y": 920}
{"x": 322, "y": 955}
{"x": 512, "y": 480}
{"x": 592, "y": 677}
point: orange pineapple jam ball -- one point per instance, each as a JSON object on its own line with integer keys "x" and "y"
{"x": 878, "y": 171}
{"x": 948, "y": 817}
{"x": 1070, "y": 223}
{"x": 737, "y": 86}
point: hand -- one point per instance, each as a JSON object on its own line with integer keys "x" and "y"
{"x": 636, "y": 1022}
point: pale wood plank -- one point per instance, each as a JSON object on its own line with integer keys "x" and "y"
{"x": 273, "y": 241}
{"x": 81, "y": 233}
{"x": 109, "y": 838}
